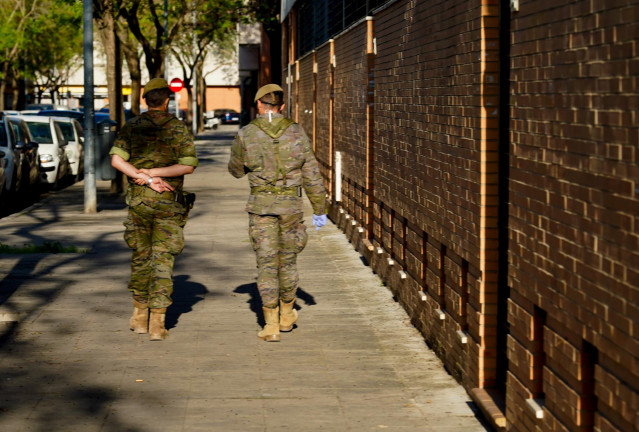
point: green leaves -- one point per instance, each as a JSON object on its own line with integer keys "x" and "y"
{"x": 38, "y": 37}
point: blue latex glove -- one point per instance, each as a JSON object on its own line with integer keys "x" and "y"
{"x": 319, "y": 221}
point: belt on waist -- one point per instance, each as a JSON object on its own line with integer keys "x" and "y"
{"x": 277, "y": 190}
{"x": 168, "y": 195}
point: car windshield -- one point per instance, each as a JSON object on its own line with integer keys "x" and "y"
{"x": 67, "y": 131}
{"x": 41, "y": 132}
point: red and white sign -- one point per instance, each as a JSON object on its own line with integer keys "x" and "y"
{"x": 176, "y": 85}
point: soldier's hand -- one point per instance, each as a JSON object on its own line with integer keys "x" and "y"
{"x": 319, "y": 221}
{"x": 160, "y": 185}
{"x": 140, "y": 178}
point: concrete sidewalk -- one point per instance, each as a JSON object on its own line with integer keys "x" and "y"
{"x": 68, "y": 361}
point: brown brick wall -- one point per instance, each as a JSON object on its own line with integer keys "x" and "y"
{"x": 426, "y": 130}
{"x": 324, "y": 89}
{"x": 350, "y": 103}
{"x": 573, "y": 201}
{"x": 427, "y": 164}
{"x": 305, "y": 95}
{"x": 432, "y": 164}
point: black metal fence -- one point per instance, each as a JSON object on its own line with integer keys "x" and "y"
{"x": 320, "y": 20}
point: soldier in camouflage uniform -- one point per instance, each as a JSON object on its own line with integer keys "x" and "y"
{"x": 155, "y": 150}
{"x": 278, "y": 158}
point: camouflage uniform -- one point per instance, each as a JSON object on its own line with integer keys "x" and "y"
{"x": 279, "y": 160}
{"x": 153, "y": 228}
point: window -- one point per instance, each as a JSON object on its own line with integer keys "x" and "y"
{"x": 41, "y": 133}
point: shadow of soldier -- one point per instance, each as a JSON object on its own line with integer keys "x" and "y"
{"x": 185, "y": 295}
{"x": 255, "y": 301}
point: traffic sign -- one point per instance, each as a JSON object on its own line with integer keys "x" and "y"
{"x": 176, "y": 85}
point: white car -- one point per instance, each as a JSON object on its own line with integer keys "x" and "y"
{"x": 210, "y": 121}
{"x": 54, "y": 162}
{"x": 74, "y": 135}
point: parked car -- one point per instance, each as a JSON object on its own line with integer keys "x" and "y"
{"x": 12, "y": 156}
{"x": 105, "y": 110}
{"x": 74, "y": 135}
{"x": 53, "y": 158}
{"x": 29, "y": 148}
{"x": 227, "y": 116}
{"x": 78, "y": 115}
{"x": 45, "y": 106}
{"x": 210, "y": 121}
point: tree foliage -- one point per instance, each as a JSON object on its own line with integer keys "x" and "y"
{"x": 40, "y": 40}
{"x": 14, "y": 16}
{"x": 210, "y": 28}
{"x": 55, "y": 42}
{"x": 146, "y": 21}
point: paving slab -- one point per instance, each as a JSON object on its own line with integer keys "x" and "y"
{"x": 69, "y": 362}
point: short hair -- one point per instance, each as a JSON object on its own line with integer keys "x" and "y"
{"x": 273, "y": 99}
{"x": 155, "y": 98}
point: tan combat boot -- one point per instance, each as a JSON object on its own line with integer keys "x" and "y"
{"x": 288, "y": 315}
{"x": 157, "y": 332}
{"x": 271, "y": 331}
{"x": 139, "y": 321}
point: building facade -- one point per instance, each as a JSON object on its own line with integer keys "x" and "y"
{"x": 482, "y": 156}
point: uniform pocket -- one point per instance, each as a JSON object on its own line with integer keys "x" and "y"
{"x": 130, "y": 234}
{"x": 301, "y": 237}
{"x": 294, "y": 238}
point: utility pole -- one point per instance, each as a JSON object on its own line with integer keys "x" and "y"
{"x": 90, "y": 200}
{"x": 194, "y": 79}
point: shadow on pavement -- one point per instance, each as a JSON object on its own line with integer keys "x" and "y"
{"x": 307, "y": 298}
{"x": 255, "y": 302}
{"x": 185, "y": 295}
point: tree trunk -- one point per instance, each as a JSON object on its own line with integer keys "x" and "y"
{"x": 189, "y": 105}
{"x": 201, "y": 89}
{"x": 111, "y": 43}
{"x": 16, "y": 93}
{"x": 3, "y": 83}
{"x": 133, "y": 64}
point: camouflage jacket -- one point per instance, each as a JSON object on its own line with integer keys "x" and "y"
{"x": 276, "y": 163}
{"x": 156, "y": 139}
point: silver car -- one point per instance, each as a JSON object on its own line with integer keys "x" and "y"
{"x": 74, "y": 135}
{"x": 12, "y": 157}
{"x": 30, "y": 155}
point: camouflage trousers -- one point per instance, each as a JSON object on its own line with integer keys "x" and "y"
{"x": 154, "y": 230}
{"x": 276, "y": 240}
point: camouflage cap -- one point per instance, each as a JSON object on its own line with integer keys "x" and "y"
{"x": 266, "y": 90}
{"x": 156, "y": 84}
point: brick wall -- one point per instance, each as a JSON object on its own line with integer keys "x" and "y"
{"x": 305, "y": 93}
{"x": 422, "y": 184}
{"x": 573, "y": 210}
{"x": 323, "y": 122}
